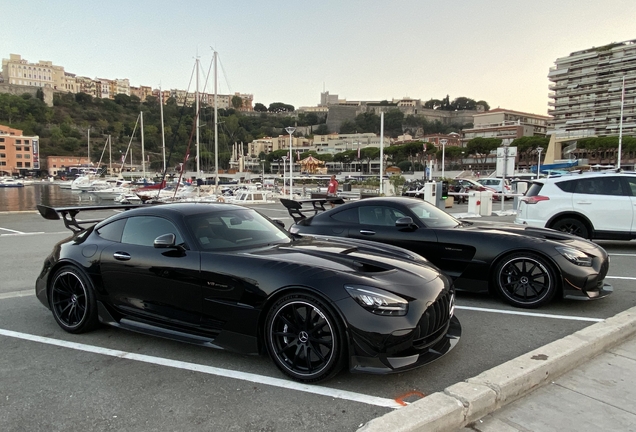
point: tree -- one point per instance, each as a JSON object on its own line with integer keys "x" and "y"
{"x": 259, "y": 107}
{"x": 278, "y": 107}
{"x": 322, "y": 130}
{"x": 481, "y": 148}
{"x": 397, "y": 181}
{"x": 237, "y": 101}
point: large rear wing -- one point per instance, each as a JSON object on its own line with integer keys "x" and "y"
{"x": 68, "y": 214}
{"x": 296, "y": 211}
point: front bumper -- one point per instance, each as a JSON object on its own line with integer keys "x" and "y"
{"x": 383, "y": 363}
{"x": 389, "y": 344}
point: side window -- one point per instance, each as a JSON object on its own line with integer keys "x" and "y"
{"x": 378, "y": 215}
{"x": 631, "y": 186}
{"x": 567, "y": 186}
{"x": 143, "y": 230}
{"x": 347, "y": 216}
{"x": 586, "y": 186}
{"x": 611, "y": 186}
{"x": 112, "y": 231}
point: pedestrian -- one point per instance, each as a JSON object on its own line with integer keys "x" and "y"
{"x": 332, "y": 189}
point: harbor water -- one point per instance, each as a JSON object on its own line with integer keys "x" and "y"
{"x": 28, "y": 197}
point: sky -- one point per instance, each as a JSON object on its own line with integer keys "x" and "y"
{"x": 288, "y": 51}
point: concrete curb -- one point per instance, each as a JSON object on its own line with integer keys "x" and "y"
{"x": 465, "y": 402}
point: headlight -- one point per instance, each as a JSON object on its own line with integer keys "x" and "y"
{"x": 378, "y": 301}
{"x": 576, "y": 256}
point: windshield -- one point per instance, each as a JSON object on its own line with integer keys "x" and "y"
{"x": 235, "y": 228}
{"x": 431, "y": 216}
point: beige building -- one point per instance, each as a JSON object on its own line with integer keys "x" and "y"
{"x": 19, "y": 71}
{"x": 58, "y": 164}
{"x": 87, "y": 85}
{"x": 506, "y": 125}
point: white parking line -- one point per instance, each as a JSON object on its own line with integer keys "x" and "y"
{"x": 618, "y": 254}
{"x": 620, "y": 277}
{"x": 531, "y": 314}
{"x": 11, "y": 231}
{"x": 226, "y": 373}
{"x": 13, "y": 294}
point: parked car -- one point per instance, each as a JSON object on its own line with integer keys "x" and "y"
{"x": 526, "y": 266}
{"x": 499, "y": 185}
{"x": 465, "y": 185}
{"x": 592, "y": 205}
{"x": 222, "y": 275}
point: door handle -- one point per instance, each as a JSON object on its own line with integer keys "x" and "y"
{"x": 121, "y": 256}
{"x": 367, "y": 232}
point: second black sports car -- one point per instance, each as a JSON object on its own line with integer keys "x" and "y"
{"x": 225, "y": 276}
{"x": 527, "y": 266}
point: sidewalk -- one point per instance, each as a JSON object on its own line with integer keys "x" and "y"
{"x": 583, "y": 382}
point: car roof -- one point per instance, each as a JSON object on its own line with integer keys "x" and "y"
{"x": 581, "y": 174}
{"x": 182, "y": 209}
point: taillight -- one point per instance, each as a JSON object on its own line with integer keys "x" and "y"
{"x": 534, "y": 199}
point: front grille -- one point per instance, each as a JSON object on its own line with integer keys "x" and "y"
{"x": 434, "y": 322}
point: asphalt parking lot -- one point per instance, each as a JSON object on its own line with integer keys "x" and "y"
{"x": 112, "y": 379}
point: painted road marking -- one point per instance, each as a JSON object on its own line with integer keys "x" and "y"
{"x": 226, "y": 373}
{"x": 620, "y": 277}
{"x": 14, "y": 294}
{"x": 619, "y": 254}
{"x": 531, "y": 314}
{"x": 12, "y": 231}
{"x": 18, "y": 233}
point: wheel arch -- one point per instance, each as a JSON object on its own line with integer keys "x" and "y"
{"x": 281, "y": 292}
{"x": 558, "y": 274}
{"x": 64, "y": 263}
{"x": 573, "y": 215}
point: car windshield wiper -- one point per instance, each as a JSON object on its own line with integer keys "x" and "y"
{"x": 462, "y": 223}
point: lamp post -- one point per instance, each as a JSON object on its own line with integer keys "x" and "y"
{"x": 503, "y": 180}
{"x": 443, "y": 143}
{"x": 290, "y": 130}
{"x": 284, "y": 158}
{"x": 539, "y": 150}
{"x": 263, "y": 172}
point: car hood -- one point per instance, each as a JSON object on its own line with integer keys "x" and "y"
{"x": 534, "y": 232}
{"x": 321, "y": 257}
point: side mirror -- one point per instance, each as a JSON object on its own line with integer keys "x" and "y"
{"x": 405, "y": 222}
{"x": 165, "y": 241}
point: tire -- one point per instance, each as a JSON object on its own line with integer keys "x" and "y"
{"x": 572, "y": 226}
{"x": 304, "y": 339}
{"x": 525, "y": 280}
{"x": 73, "y": 301}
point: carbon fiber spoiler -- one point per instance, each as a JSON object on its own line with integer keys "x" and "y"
{"x": 296, "y": 211}
{"x": 68, "y": 214}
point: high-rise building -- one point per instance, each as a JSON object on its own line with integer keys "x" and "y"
{"x": 587, "y": 91}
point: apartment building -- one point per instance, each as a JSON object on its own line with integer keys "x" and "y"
{"x": 59, "y": 164}
{"x": 19, "y": 154}
{"x": 19, "y": 71}
{"x": 506, "y": 125}
{"x": 587, "y": 91}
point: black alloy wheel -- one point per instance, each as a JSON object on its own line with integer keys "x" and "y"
{"x": 572, "y": 226}
{"x": 525, "y": 280}
{"x": 72, "y": 300}
{"x": 304, "y": 339}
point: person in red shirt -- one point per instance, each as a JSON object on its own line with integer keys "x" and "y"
{"x": 332, "y": 189}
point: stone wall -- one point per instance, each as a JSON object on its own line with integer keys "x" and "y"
{"x": 19, "y": 90}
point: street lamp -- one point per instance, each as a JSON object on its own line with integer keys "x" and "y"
{"x": 443, "y": 143}
{"x": 539, "y": 150}
{"x": 503, "y": 180}
{"x": 290, "y": 130}
{"x": 284, "y": 158}
{"x": 263, "y": 172}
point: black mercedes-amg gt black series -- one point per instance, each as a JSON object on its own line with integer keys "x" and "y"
{"x": 225, "y": 276}
{"x": 526, "y": 266}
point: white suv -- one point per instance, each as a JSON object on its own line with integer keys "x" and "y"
{"x": 593, "y": 205}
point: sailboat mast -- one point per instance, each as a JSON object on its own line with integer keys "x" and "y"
{"x": 197, "y": 117}
{"x": 143, "y": 157}
{"x": 88, "y": 139}
{"x": 163, "y": 136}
{"x": 216, "y": 132}
{"x": 110, "y": 157}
